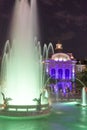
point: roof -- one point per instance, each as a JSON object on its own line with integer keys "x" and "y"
{"x": 61, "y": 57}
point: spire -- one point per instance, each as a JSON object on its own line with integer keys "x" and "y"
{"x": 59, "y": 47}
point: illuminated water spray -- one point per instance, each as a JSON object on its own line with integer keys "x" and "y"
{"x": 22, "y": 61}
{"x": 84, "y": 97}
{"x": 50, "y": 50}
{"x": 84, "y": 103}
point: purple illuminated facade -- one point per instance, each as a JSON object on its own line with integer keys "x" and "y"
{"x": 62, "y": 68}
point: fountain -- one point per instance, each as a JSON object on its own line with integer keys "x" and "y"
{"x": 50, "y": 50}
{"x": 45, "y": 56}
{"x": 83, "y": 96}
{"x": 84, "y": 103}
{"x": 22, "y": 91}
{"x": 22, "y": 87}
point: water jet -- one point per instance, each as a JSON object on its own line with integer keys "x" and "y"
{"x": 21, "y": 69}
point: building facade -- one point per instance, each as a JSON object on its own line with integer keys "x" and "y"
{"x": 62, "y": 68}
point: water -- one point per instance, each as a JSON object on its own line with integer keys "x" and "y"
{"x": 50, "y": 50}
{"x": 84, "y": 100}
{"x": 84, "y": 96}
{"x": 45, "y": 55}
{"x": 22, "y": 60}
{"x": 64, "y": 116}
{"x": 21, "y": 79}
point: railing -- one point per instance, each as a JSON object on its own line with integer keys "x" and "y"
{"x": 25, "y": 111}
{"x": 26, "y": 107}
{"x": 54, "y": 97}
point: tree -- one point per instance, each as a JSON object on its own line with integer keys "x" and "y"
{"x": 82, "y": 76}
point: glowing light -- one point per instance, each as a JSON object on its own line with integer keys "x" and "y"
{"x": 21, "y": 64}
{"x": 59, "y": 46}
{"x": 84, "y": 97}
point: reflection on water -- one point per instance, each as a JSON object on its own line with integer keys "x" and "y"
{"x": 64, "y": 116}
{"x": 39, "y": 124}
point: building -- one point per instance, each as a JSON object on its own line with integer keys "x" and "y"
{"x": 62, "y": 68}
{"x": 80, "y": 66}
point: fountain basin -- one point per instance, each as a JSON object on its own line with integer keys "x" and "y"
{"x": 79, "y": 104}
{"x": 25, "y": 111}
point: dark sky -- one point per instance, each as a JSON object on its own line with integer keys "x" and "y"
{"x": 64, "y": 20}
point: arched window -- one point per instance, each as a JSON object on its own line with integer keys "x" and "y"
{"x": 67, "y": 73}
{"x": 53, "y": 71}
{"x": 60, "y": 73}
{"x": 60, "y": 86}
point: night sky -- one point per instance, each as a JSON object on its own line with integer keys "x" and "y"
{"x": 63, "y": 20}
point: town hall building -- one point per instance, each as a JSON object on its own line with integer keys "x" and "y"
{"x": 62, "y": 68}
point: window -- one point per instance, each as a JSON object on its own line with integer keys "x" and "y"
{"x": 53, "y": 73}
{"x": 60, "y": 73}
{"x": 67, "y": 73}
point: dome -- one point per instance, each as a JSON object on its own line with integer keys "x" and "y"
{"x": 60, "y": 57}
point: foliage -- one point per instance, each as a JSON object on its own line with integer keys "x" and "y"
{"x": 83, "y": 77}
{"x": 51, "y": 80}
